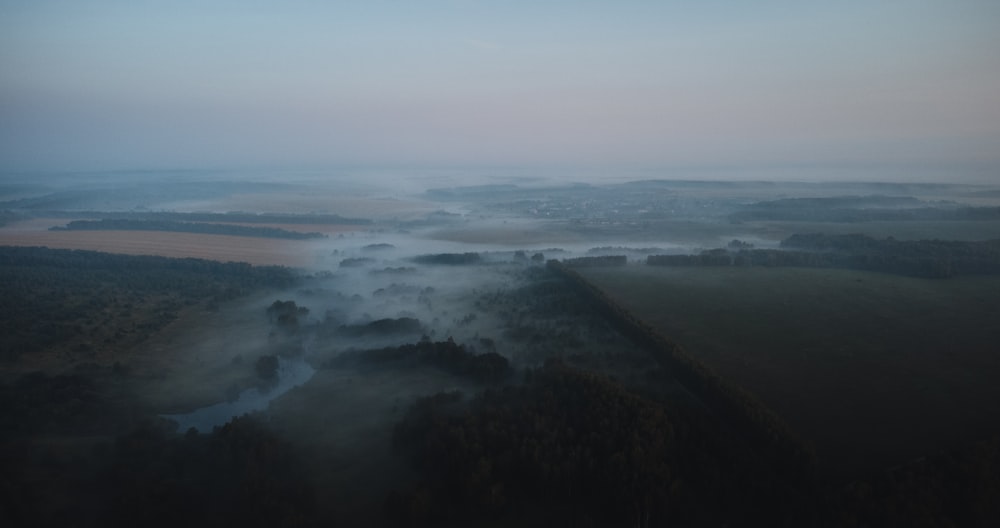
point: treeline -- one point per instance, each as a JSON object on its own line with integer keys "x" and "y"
{"x": 382, "y": 327}
{"x": 234, "y": 217}
{"x": 356, "y": 262}
{"x": 922, "y": 258}
{"x": 78, "y": 260}
{"x": 449, "y": 259}
{"x": 746, "y": 414}
{"x": 927, "y": 214}
{"x": 7, "y": 217}
{"x": 287, "y": 316}
{"x": 204, "y": 228}
{"x": 916, "y": 258}
{"x": 446, "y": 355}
{"x": 861, "y": 209}
{"x": 712, "y": 257}
{"x": 378, "y": 247}
{"x": 857, "y": 243}
{"x": 74, "y": 403}
{"x": 617, "y": 250}
{"x": 586, "y": 262}
{"x": 954, "y": 488}
{"x": 574, "y": 448}
{"x": 239, "y": 475}
{"x": 77, "y": 301}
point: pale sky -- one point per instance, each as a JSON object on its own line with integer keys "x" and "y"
{"x": 137, "y": 84}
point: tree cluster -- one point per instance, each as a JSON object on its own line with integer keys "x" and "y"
{"x": 575, "y": 448}
{"x": 618, "y": 250}
{"x": 356, "y": 262}
{"x": 927, "y": 258}
{"x": 74, "y": 403}
{"x": 239, "y": 475}
{"x": 378, "y": 247}
{"x": 381, "y": 327}
{"x": 449, "y": 259}
{"x": 446, "y": 355}
{"x": 76, "y": 301}
{"x": 915, "y": 258}
{"x": 605, "y": 260}
{"x": 955, "y": 488}
{"x": 287, "y": 316}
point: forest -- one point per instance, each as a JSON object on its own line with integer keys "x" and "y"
{"x": 75, "y": 303}
{"x": 451, "y": 376}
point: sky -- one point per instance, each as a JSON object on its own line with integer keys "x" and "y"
{"x": 685, "y": 85}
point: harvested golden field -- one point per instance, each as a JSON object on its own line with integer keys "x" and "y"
{"x": 255, "y": 250}
{"x": 260, "y": 251}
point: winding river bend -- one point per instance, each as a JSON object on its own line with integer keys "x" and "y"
{"x": 291, "y": 373}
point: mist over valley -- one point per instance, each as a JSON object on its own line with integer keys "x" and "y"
{"x": 511, "y": 351}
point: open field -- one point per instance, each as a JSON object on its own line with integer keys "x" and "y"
{"x": 260, "y": 251}
{"x": 874, "y": 370}
{"x": 213, "y": 247}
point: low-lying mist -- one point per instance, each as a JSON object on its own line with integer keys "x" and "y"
{"x": 426, "y": 358}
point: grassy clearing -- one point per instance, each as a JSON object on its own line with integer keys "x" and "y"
{"x": 873, "y": 369}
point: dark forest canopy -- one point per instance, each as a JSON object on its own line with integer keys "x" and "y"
{"x": 607, "y": 260}
{"x": 445, "y": 355}
{"x": 387, "y": 326}
{"x": 356, "y": 262}
{"x": 61, "y": 298}
{"x": 572, "y": 441}
{"x": 449, "y": 259}
{"x": 125, "y": 224}
{"x": 378, "y": 247}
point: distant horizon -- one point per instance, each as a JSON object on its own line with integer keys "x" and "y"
{"x": 852, "y": 88}
{"x": 477, "y": 175}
